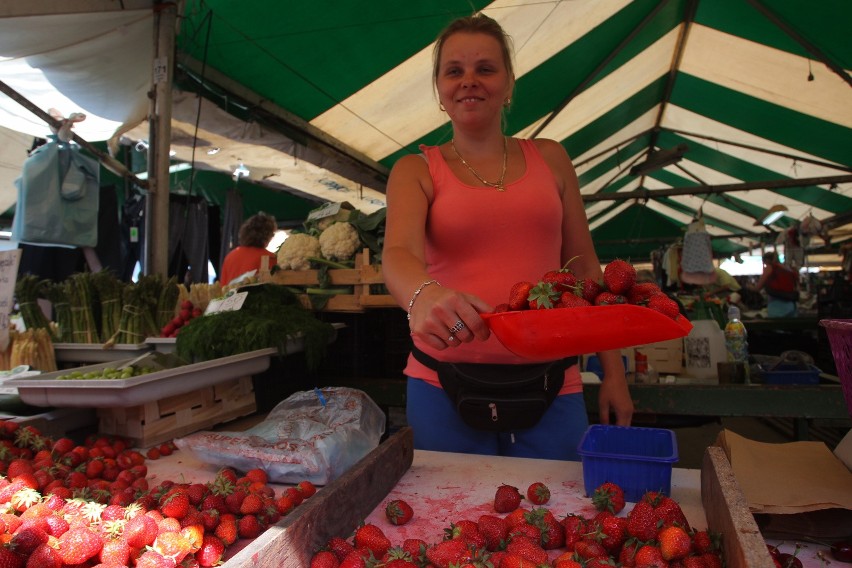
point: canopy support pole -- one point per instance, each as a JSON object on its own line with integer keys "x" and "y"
{"x": 156, "y": 243}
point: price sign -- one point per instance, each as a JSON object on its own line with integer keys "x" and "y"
{"x": 9, "y": 260}
{"x": 229, "y": 303}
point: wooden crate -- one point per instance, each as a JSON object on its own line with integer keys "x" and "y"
{"x": 664, "y": 356}
{"x": 360, "y": 278}
{"x": 161, "y": 420}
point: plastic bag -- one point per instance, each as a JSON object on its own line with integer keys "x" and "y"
{"x": 312, "y": 435}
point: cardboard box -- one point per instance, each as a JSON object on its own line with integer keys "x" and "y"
{"x": 665, "y": 356}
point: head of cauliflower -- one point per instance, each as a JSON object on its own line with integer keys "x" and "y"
{"x": 294, "y": 252}
{"x": 340, "y": 241}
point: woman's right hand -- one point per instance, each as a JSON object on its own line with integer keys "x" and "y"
{"x": 443, "y": 317}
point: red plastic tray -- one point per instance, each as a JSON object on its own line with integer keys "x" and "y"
{"x": 545, "y": 335}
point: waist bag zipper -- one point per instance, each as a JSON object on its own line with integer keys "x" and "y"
{"x": 493, "y": 408}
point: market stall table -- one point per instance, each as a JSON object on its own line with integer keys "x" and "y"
{"x": 443, "y": 487}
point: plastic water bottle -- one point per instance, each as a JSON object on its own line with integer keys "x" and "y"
{"x": 736, "y": 340}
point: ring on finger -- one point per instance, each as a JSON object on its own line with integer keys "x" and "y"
{"x": 457, "y": 327}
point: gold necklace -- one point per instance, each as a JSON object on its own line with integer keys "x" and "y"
{"x": 499, "y": 185}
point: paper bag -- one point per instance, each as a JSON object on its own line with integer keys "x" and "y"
{"x": 795, "y": 489}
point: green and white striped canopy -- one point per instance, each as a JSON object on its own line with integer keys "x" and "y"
{"x": 759, "y": 92}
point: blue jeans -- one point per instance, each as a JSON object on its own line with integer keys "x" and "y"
{"x": 437, "y": 427}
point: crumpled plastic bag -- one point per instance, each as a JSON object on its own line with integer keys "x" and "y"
{"x": 311, "y": 436}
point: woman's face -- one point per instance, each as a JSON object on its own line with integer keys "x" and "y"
{"x": 472, "y": 80}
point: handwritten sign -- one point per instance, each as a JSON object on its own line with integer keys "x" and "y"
{"x": 9, "y": 260}
{"x": 232, "y": 302}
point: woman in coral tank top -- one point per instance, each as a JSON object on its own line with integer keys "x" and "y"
{"x": 466, "y": 220}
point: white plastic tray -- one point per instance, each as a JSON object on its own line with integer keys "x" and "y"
{"x": 109, "y": 393}
{"x": 96, "y": 353}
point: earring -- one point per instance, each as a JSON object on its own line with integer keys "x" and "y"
{"x": 441, "y": 106}
{"x": 507, "y": 102}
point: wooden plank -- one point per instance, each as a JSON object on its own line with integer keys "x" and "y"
{"x": 727, "y": 513}
{"x": 335, "y": 510}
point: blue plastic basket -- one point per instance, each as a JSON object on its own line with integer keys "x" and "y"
{"x": 637, "y": 459}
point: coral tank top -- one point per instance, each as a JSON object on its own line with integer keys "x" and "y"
{"x": 482, "y": 241}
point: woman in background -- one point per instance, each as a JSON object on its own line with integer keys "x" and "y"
{"x": 782, "y": 288}
{"x": 255, "y": 234}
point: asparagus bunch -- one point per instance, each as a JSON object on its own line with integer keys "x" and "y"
{"x": 109, "y": 289}
{"x": 80, "y": 296}
{"x": 28, "y": 290}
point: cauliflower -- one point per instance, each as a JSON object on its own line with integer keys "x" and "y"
{"x": 295, "y": 251}
{"x": 339, "y": 241}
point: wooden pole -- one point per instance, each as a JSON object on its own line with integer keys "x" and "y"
{"x": 156, "y": 245}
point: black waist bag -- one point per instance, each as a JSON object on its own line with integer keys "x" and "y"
{"x": 499, "y": 398}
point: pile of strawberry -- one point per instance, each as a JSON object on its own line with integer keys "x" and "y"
{"x": 563, "y": 289}
{"x": 90, "y": 505}
{"x": 654, "y": 533}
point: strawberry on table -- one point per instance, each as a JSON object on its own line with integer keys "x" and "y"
{"x": 507, "y": 499}
{"x": 538, "y": 493}
{"x": 608, "y": 497}
{"x": 371, "y": 537}
{"x": 398, "y": 512}
{"x": 674, "y": 542}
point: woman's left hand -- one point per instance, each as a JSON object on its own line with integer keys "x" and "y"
{"x": 615, "y": 399}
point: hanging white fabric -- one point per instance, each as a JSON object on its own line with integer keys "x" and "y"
{"x": 696, "y": 261}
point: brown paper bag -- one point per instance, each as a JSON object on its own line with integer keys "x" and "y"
{"x": 795, "y": 489}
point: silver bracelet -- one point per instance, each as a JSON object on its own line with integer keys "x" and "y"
{"x": 417, "y": 293}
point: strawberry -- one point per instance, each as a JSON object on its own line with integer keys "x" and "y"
{"x": 665, "y": 305}
{"x": 525, "y": 528}
{"x": 519, "y": 295}
{"x": 694, "y": 562}
{"x": 668, "y": 512}
{"x": 609, "y": 299}
{"x": 448, "y": 552}
{"x": 506, "y": 499}
{"x": 307, "y": 488}
{"x": 115, "y": 551}
{"x": 588, "y": 289}
{"x": 563, "y": 279}
{"x": 153, "y": 559}
{"x": 543, "y": 296}
{"x": 248, "y": 526}
{"x": 641, "y": 292}
{"x": 500, "y": 308}
{"x": 650, "y": 555}
{"x": 614, "y": 533}
{"x": 27, "y": 538}
{"x": 572, "y": 300}
{"x": 574, "y": 526}
{"x": 45, "y": 556}
{"x": 398, "y": 512}
{"x": 227, "y": 529}
{"x": 641, "y": 521}
{"x": 512, "y": 560}
{"x": 494, "y": 529}
{"x": 79, "y": 544}
{"x": 212, "y": 549}
{"x": 416, "y": 548}
{"x": 608, "y": 497}
{"x": 322, "y": 559}
{"x": 712, "y": 559}
{"x": 251, "y": 505}
{"x": 257, "y": 474}
{"x": 587, "y": 548}
{"x": 552, "y": 532}
{"x": 339, "y": 546}
{"x": 627, "y": 554}
{"x": 175, "y": 504}
{"x": 10, "y": 558}
{"x": 619, "y": 276}
{"x": 702, "y": 542}
{"x": 140, "y": 531}
{"x": 566, "y": 560}
{"x": 371, "y": 537}
{"x": 354, "y": 559}
{"x": 538, "y": 493}
{"x": 527, "y": 548}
